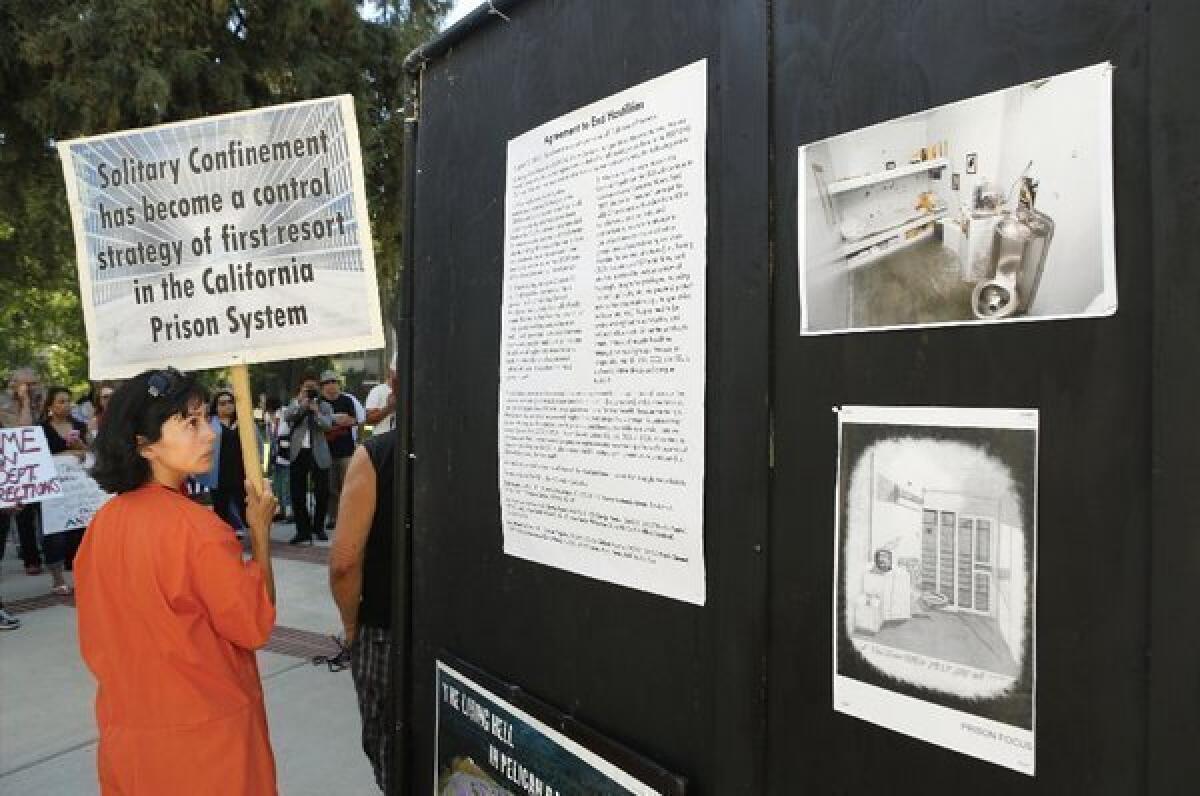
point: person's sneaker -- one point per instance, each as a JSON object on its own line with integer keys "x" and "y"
{"x": 8, "y": 621}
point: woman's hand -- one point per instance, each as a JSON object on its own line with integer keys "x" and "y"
{"x": 260, "y": 511}
{"x": 260, "y": 508}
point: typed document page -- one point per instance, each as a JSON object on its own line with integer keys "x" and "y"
{"x": 601, "y": 410}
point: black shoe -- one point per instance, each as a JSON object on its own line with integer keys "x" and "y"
{"x": 321, "y": 535}
{"x": 298, "y": 539}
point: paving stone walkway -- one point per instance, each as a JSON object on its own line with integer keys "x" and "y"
{"x": 48, "y": 732}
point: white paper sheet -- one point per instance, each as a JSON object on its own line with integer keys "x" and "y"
{"x": 935, "y": 569}
{"x": 992, "y": 209}
{"x": 601, "y": 422}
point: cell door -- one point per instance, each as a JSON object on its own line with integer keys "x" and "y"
{"x": 946, "y": 556}
{"x": 982, "y": 565}
{"x": 929, "y": 548}
{"x": 973, "y": 565}
{"x": 956, "y": 558}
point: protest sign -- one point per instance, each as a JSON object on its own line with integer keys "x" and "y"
{"x": 225, "y": 240}
{"x": 27, "y": 472}
{"x": 80, "y": 497}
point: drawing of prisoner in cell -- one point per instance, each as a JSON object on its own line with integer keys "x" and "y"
{"x": 886, "y": 594}
{"x": 935, "y": 564}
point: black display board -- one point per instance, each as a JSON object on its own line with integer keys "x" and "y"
{"x": 735, "y": 696}
{"x": 841, "y": 66}
{"x": 1174, "y": 654}
{"x": 677, "y": 683}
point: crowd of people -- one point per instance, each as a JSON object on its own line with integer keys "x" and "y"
{"x": 70, "y": 428}
{"x": 310, "y": 441}
{"x": 170, "y": 545}
{"x": 162, "y": 570}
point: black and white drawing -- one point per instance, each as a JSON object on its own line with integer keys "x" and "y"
{"x": 936, "y": 558}
{"x": 1001, "y": 209}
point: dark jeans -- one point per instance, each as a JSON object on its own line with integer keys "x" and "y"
{"x": 302, "y": 468}
{"x": 60, "y": 548}
{"x": 27, "y": 523}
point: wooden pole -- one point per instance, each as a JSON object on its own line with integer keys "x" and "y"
{"x": 240, "y": 376}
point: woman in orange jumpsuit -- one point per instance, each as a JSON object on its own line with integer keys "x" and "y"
{"x": 169, "y": 614}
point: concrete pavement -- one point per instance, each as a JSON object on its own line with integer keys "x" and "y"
{"x": 48, "y": 732}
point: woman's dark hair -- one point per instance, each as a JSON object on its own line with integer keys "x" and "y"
{"x": 51, "y": 394}
{"x": 216, "y": 396}
{"x": 139, "y": 407}
{"x": 273, "y": 404}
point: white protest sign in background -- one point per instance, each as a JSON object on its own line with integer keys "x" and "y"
{"x": 225, "y": 240}
{"x": 80, "y": 496}
{"x": 602, "y": 358}
{"x": 27, "y": 472}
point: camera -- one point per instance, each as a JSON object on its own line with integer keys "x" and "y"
{"x": 310, "y": 394}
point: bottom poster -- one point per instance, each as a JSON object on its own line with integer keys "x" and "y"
{"x": 487, "y": 746}
{"x": 936, "y": 566}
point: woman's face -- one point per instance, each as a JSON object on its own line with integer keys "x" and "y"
{"x": 225, "y": 406}
{"x": 60, "y": 407}
{"x": 185, "y": 447}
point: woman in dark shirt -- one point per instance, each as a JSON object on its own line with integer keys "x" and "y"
{"x": 229, "y": 492}
{"x": 64, "y": 435}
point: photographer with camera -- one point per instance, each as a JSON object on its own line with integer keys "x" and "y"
{"x": 309, "y": 418}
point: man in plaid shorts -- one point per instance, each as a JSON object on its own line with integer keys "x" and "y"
{"x": 360, "y": 577}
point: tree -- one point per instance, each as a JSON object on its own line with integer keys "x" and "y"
{"x": 71, "y": 68}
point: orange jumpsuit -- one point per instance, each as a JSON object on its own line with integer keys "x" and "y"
{"x": 169, "y": 618}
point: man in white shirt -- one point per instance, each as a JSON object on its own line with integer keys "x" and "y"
{"x": 381, "y": 403}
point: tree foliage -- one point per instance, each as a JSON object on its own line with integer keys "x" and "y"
{"x": 72, "y": 68}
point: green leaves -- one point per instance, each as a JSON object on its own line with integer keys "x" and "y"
{"x": 71, "y": 68}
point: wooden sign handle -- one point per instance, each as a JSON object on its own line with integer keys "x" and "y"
{"x": 239, "y": 375}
